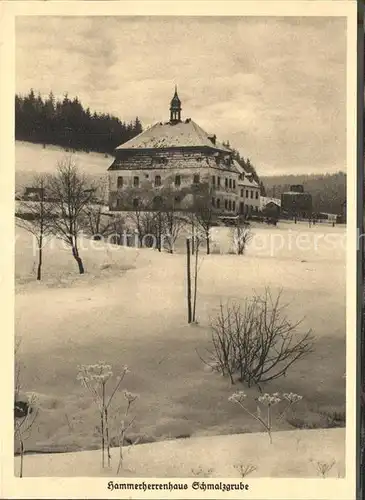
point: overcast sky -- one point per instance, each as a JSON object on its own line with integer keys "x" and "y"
{"x": 274, "y": 87}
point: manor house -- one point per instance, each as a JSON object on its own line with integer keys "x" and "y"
{"x": 177, "y": 155}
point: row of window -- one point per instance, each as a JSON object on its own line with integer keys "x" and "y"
{"x": 251, "y": 193}
{"x": 228, "y": 204}
{"x": 157, "y": 183}
{"x": 228, "y": 183}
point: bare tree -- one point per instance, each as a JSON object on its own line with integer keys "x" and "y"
{"x": 171, "y": 217}
{"x": 204, "y": 213}
{"x": 37, "y": 216}
{"x": 138, "y": 202}
{"x": 242, "y": 235}
{"x": 95, "y": 221}
{"x": 71, "y": 193}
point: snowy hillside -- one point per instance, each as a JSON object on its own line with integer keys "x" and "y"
{"x": 31, "y": 158}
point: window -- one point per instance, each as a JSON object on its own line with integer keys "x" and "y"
{"x": 135, "y": 202}
{"x": 120, "y": 182}
{"x": 251, "y": 194}
{"x": 234, "y": 184}
{"x": 177, "y": 180}
{"x": 225, "y": 204}
{"x": 241, "y": 207}
{"x": 218, "y": 181}
{"x": 230, "y": 183}
{"x": 213, "y": 180}
{"x": 226, "y": 182}
{"x": 234, "y": 206}
{"x": 157, "y": 202}
{"x": 157, "y": 180}
{"x": 257, "y": 195}
{"x": 229, "y": 205}
{"x": 246, "y": 193}
{"x": 196, "y": 179}
{"x": 218, "y": 203}
{"x": 241, "y": 193}
{"x": 135, "y": 181}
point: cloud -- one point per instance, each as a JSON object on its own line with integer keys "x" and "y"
{"x": 274, "y": 87}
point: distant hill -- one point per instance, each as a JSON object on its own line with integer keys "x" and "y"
{"x": 328, "y": 190}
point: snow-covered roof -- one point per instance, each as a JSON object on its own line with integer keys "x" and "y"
{"x": 265, "y": 200}
{"x": 169, "y": 135}
{"x": 245, "y": 182}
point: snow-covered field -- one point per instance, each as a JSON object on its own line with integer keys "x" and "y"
{"x": 130, "y": 308}
{"x": 292, "y": 454}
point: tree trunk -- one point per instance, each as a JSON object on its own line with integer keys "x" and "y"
{"x": 77, "y": 257}
{"x": 195, "y": 283}
{"x": 21, "y": 458}
{"x": 208, "y": 243}
{"x": 40, "y": 255}
{"x": 188, "y": 278}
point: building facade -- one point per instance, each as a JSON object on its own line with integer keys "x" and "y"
{"x": 248, "y": 193}
{"x": 296, "y": 203}
{"x": 176, "y": 157}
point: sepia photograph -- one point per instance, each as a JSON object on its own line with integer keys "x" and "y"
{"x": 181, "y": 214}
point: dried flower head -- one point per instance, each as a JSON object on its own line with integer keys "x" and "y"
{"x": 130, "y": 397}
{"x": 292, "y": 397}
{"x": 237, "y": 397}
{"x": 269, "y": 399}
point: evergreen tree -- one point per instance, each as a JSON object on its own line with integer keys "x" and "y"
{"x": 66, "y": 123}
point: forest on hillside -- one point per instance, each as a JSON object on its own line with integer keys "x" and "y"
{"x": 328, "y": 190}
{"x": 68, "y": 124}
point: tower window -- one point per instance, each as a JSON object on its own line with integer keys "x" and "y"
{"x": 230, "y": 183}
{"x": 158, "y": 180}
{"x": 177, "y": 180}
{"x": 257, "y": 195}
{"x": 226, "y": 182}
{"x": 241, "y": 193}
{"x": 218, "y": 203}
{"x": 120, "y": 182}
{"x": 218, "y": 181}
{"x": 136, "y": 181}
{"x": 246, "y": 193}
{"x": 251, "y": 194}
{"x": 229, "y": 205}
{"x": 213, "y": 180}
{"x": 234, "y": 184}
{"x": 196, "y": 179}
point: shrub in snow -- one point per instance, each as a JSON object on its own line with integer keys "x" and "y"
{"x": 255, "y": 341}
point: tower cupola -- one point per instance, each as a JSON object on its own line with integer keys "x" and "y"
{"x": 175, "y": 108}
